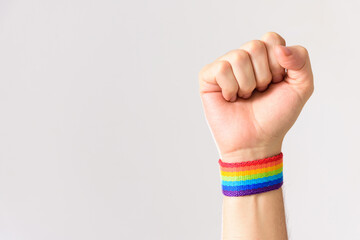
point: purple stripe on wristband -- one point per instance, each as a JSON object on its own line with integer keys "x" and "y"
{"x": 251, "y": 191}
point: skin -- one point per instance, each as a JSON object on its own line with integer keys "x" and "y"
{"x": 251, "y": 98}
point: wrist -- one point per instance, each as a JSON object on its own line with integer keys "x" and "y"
{"x": 251, "y": 177}
{"x": 249, "y": 154}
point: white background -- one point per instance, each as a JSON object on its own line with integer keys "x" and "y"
{"x": 102, "y": 135}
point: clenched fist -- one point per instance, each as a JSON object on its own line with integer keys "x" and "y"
{"x": 253, "y": 95}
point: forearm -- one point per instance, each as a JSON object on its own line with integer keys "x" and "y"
{"x": 254, "y": 217}
{"x": 251, "y": 98}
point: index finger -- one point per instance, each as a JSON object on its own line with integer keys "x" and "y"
{"x": 271, "y": 39}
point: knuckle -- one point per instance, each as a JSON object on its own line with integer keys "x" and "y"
{"x": 222, "y": 67}
{"x": 274, "y": 37}
{"x": 201, "y": 73}
{"x": 256, "y": 46}
{"x": 204, "y": 72}
{"x": 311, "y": 89}
{"x": 240, "y": 56}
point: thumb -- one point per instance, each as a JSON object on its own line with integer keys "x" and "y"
{"x": 297, "y": 62}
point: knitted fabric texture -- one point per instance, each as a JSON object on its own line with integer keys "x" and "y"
{"x": 252, "y": 177}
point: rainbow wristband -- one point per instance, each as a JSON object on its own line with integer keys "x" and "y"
{"x": 252, "y": 177}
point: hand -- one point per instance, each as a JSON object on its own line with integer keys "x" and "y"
{"x": 250, "y": 101}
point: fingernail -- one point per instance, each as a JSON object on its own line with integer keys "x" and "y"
{"x": 286, "y": 51}
{"x": 233, "y": 99}
{"x": 277, "y": 78}
{"x": 246, "y": 96}
{"x": 261, "y": 89}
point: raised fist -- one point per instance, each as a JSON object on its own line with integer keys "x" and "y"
{"x": 253, "y": 95}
